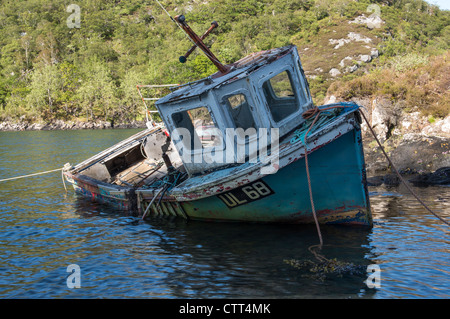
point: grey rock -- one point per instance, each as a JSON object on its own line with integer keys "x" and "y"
{"x": 440, "y": 177}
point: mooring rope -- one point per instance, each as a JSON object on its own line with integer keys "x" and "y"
{"x": 309, "y": 183}
{"x": 65, "y": 168}
{"x": 316, "y": 112}
{"x": 307, "y": 115}
{"x": 24, "y": 176}
{"x": 398, "y": 174}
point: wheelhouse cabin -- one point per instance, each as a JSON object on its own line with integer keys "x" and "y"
{"x": 266, "y": 90}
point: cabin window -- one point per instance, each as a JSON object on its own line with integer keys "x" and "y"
{"x": 240, "y": 111}
{"x": 280, "y": 96}
{"x": 202, "y": 131}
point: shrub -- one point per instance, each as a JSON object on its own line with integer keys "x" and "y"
{"x": 419, "y": 81}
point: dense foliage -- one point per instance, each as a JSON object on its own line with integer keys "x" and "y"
{"x": 50, "y": 69}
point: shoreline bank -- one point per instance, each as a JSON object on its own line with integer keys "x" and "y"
{"x": 13, "y": 126}
{"x": 418, "y": 150}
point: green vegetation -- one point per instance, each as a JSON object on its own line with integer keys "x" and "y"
{"x": 50, "y": 71}
{"x": 421, "y": 84}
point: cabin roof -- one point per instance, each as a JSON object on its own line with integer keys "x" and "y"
{"x": 238, "y": 70}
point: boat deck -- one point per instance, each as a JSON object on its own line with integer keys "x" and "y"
{"x": 142, "y": 173}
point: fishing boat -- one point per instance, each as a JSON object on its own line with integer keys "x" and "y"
{"x": 245, "y": 144}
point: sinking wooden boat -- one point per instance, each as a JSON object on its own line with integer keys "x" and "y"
{"x": 244, "y": 144}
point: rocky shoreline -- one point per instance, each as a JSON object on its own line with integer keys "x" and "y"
{"x": 69, "y": 125}
{"x": 418, "y": 146}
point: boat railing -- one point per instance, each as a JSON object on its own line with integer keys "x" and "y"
{"x": 149, "y": 101}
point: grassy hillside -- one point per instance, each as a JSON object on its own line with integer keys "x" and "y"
{"x": 50, "y": 69}
{"x": 414, "y": 82}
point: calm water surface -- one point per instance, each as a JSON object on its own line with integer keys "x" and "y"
{"x": 43, "y": 230}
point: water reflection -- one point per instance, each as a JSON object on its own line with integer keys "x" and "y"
{"x": 410, "y": 244}
{"x": 192, "y": 259}
{"x": 43, "y": 230}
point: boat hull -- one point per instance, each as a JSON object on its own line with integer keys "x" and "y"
{"x": 122, "y": 198}
{"x": 338, "y": 183}
{"x": 337, "y": 179}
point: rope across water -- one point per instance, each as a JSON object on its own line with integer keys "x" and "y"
{"x": 34, "y": 174}
{"x": 315, "y": 112}
{"x": 65, "y": 168}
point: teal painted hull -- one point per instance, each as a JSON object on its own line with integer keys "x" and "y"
{"x": 337, "y": 176}
{"x": 338, "y": 182}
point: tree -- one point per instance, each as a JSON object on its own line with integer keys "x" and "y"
{"x": 61, "y": 72}
{"x": 4, "y": 92}
{"x": 96, "y": 93}
{"x": 45, "y": 88}
{"x": 130, "y": 104}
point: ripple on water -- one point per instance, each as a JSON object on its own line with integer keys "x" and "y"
{"x": 43, "y": 230}
{"x": 411, "y": 245}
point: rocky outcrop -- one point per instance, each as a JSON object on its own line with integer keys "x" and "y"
{"x": 373, "y": 21}
{"x": 421, "y": 153}
{"x": 439, "y": 177}
{"x": 388, "y": 180}
{"x": 415, "y": 144}
{"x": 351, "y": 36}
{"x": 347, "y": 48}
{"x": 62, "y": 125}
